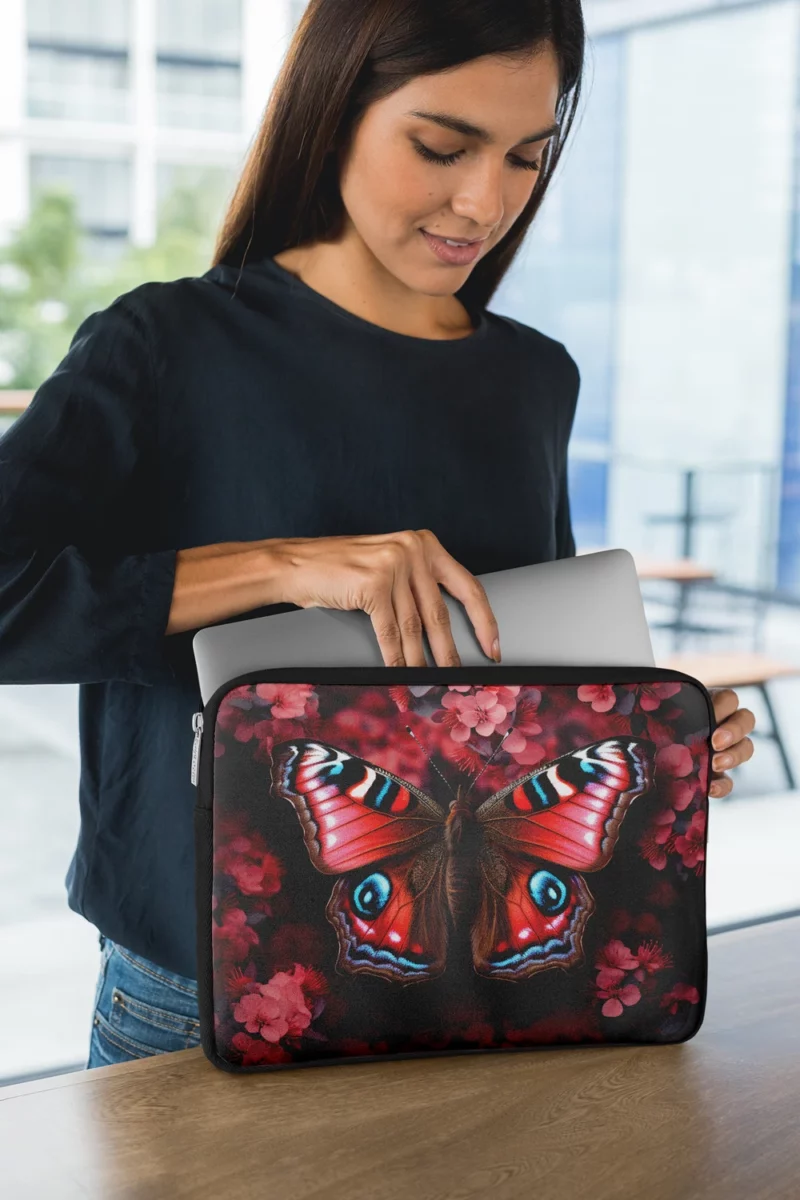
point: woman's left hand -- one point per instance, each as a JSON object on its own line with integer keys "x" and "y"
{"x": 730, "y": 738}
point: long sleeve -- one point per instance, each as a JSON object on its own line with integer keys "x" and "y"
{"x": 82, "y": 599}
{"x": 565, "y": 539}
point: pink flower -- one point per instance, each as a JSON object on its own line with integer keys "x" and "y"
{"x": 642, "y": 923}
{"x": 675, "y": 759}
{"x": 482, "y": 712}
{"x": 260, "y": 713}
{"x": 615, "y": 959}
{"x": 663, "y": 894}
{"x": 654, "y": 840}
{"x": 234, "y": 937}
{"x": 678, "y": 793}
{"x": 652, "y": 957}
{"x": 680, "y": 992}
{"x": 254, "y": 1050}
{"x": 700, "y": 753}
{"x": 514, "y": 742}
{"x": 652, "y": 694}
{"x": 530, "y": 754}
{"x": 691, "y": 844}
{"x": 673, "y": 764}
{"x": 254, "y": 869}
{"x": 615, "y": 994}
{"x": 280, "y": 1007}
{"x": 287, "y": 699}
{"x": 647, "y": 923}
{"x": 601, "y": 695}
{"x": 615, "y": 954}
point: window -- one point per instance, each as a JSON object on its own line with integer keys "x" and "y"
{"x": 209, "y": 187}
{"x": 101, "y": 186}
{"x": 296, "y": 10}
{"x": 198, "y": 67}
{"x": 199, "y": 95}
{"x": 78, "y": 66}
{"x": 98, "y": 22}
{"x": 76, "y": 86}
{"x": 200, "y": 27}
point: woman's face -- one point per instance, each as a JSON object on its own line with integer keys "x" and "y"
{"x": 392, "y": 190}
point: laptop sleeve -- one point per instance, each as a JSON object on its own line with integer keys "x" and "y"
{"x": 426, "y": 860}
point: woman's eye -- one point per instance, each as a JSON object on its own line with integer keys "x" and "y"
{"x": 446, "y": 160}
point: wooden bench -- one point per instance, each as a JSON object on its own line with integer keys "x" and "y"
{"x": 739, "y": 669}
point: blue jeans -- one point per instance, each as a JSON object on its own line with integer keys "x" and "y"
{"x": 140, "y": 1009}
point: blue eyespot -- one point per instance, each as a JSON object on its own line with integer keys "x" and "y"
{"x": 549, "y": 892}
{"x": 371, "y": 895}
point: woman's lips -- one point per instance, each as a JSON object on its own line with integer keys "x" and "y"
{"x": 457, "y": 256}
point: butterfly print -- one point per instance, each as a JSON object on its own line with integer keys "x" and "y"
{"x": 410, "y": 872}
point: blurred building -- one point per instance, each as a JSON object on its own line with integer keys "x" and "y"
{"x": 121, "y": 99}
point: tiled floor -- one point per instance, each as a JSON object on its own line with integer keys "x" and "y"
{"x": 49, "y": 955}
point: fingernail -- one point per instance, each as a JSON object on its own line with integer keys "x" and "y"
{"x": 496, "y": 650}
{"x": 722, "y": 739}
{"x": 724, "y": 760}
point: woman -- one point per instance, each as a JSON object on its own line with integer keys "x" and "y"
{"x": 328, "y": 417}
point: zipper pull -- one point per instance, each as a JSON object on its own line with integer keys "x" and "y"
{"x": 197, "y": 726}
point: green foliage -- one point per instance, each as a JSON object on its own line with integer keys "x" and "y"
{"x": 52, "y": 277}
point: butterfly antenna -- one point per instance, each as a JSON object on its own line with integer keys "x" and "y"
{"x": 499, "y": 746}
{"x": 430, "y": 760}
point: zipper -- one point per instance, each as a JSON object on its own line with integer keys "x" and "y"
{"x": 197, "y": 726}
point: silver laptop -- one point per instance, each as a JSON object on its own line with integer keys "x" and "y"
{"x": 585, "y": 610}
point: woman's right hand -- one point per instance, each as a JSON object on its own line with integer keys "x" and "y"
{"x": 394, "y": 578}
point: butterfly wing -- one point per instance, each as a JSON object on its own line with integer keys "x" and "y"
{"x": 386, "y": 838}
{"x": 530, "y": 916}
{"x": 569, "y": 811}
{"x": 539, "y": 832}
{"x": 391, "y": 918}
{"x": 353, "y": 813}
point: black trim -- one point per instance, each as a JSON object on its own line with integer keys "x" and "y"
{"x": 387, "y": 676}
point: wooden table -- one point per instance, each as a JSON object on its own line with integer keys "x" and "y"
{"x": 676, "y": 570}
{"x": 715, "y": 1118}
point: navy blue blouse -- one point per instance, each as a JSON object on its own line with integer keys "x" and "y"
{"x": 234, "y": 407}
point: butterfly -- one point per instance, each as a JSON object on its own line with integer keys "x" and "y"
{"x": 409, "y": 869}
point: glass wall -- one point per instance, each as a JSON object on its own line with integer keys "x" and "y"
{"x": 565, "y": 282}
{"x": 661, "y": 258}
{"x": 198, "y": 71}
{"x": 78, "y": 62}
{"x": 101, "y": 186}
{"x": 704, "y": 278}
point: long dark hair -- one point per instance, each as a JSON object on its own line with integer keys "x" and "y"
{"x": 346, "y": 54}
